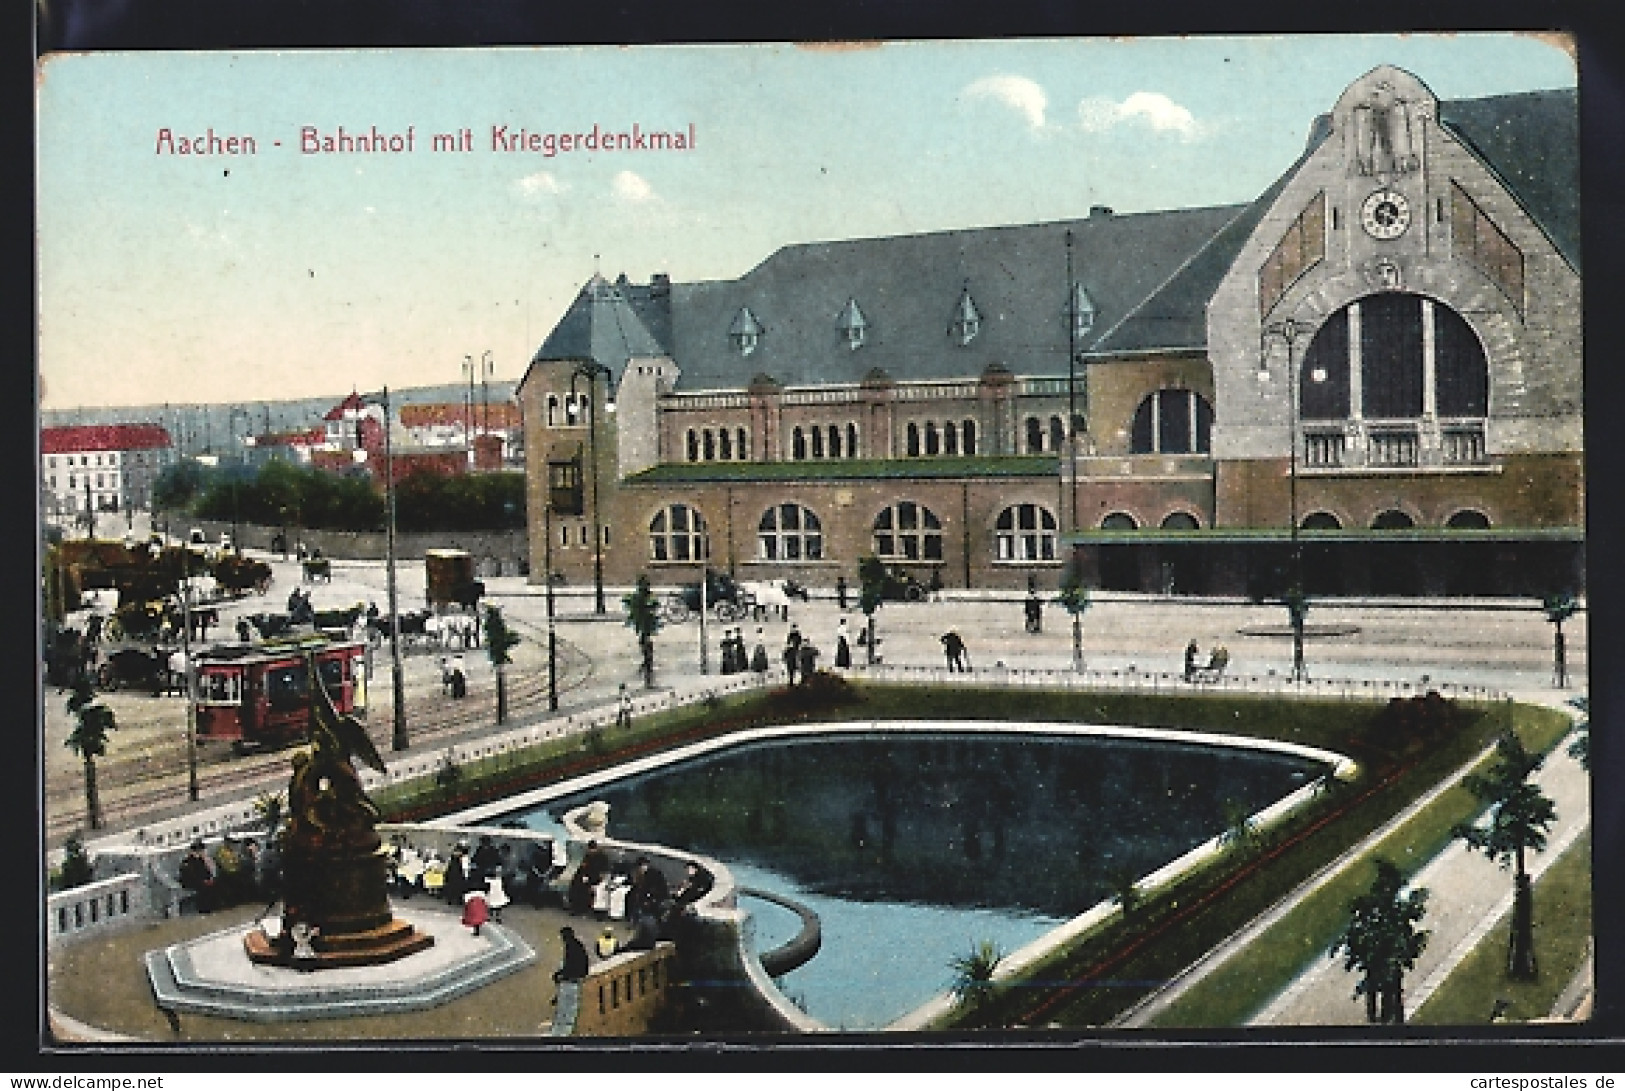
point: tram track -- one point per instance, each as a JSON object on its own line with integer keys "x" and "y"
{"x": 134, "y": 791}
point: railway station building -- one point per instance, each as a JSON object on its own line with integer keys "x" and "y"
{"x": 1368, "y": 378}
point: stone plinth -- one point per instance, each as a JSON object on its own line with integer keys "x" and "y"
{"x": 368, "y": 947}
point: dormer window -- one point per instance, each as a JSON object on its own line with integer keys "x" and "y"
{"x": 1080, "y": 311}
{"x": 967, "y": 319}
{"x": 853, "y": 326}
{"x": 745, "y": 333}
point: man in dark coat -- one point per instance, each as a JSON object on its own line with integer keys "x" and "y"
{"x": 792, "y": 654}
{"x": 650, "y": 892}
{"x": 487, "y": 860}
{"x": 594, "y": 866}
{"x": 458, "y": 879}
{"x": 570, "y": 974}
{"x": 198, "y": 877}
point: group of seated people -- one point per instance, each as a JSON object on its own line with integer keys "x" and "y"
{"x": 639, "y": 893}
{"x": 236, "y": 872}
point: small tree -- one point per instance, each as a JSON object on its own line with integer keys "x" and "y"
{"x": 499, "y": 641}
{"x": 77, "y": 868}
{"x": 643, "y": 615}
{"x": 1580, "y": 748}
{"x": 89, "y": 739}
{"x": 1382, "y": 942}
{"x": 1240, "y": 833}
{"x": 872, "y": 592}
{"x": 1559, "y": 608}
{"x": 1297, "y": 610}
{"x": 270, "y": 809}
{"x": 972, "y": 983}
{"x": 1075, "y": 599}
{"x": 1520, "y": 817}
{"x": 1126, "y": 892}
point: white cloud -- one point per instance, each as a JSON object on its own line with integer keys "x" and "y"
{"x": 1017, "y": 92}
{"x": 1142, "y": 107}
{"x": 630, "y": 187}
{"x": 539, "y": 184}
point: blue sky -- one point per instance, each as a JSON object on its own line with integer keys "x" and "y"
{"x": 224, "y": 278}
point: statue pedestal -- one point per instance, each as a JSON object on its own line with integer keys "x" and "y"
{"x": 370, "y": 947}
{"x": 341, "y": 890}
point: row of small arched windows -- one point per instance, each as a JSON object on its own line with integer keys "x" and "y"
{"x": 823, "y": 441}
{"x": 718, "y": 444}
{"x": 929, "y": 439}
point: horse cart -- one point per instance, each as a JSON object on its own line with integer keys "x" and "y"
{"x": 237, "y": 575}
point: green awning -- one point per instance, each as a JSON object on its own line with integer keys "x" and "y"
{"x": 1283, "y": 536}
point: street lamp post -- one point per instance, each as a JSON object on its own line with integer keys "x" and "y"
{"x": 488, "y": 370}
{"x": 1289, "y": 331}
{"x": 191, "y": 675}
{"x": 235, "y": 471}
{"x": 547, "y": 578}
{"x": 399, "y": 739}
{"x": 592, "y": 371}
{"x": 469, "y": 368}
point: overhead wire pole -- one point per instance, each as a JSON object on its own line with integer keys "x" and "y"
{"x": 1072, "y": 378}
{"x": 547, "y": 578}
{"x": 399, "y": 740}
{"x": 591, "y": 370}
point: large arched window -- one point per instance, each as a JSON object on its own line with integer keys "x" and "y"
{"x": 789, "y": 532}
{"x": 677, "y": 533}
{"x": 1172, "y": 422}
{"x": 1025, "y": 532}
{"x": 907, "y": 531}
{"x": 1394, "y": 339}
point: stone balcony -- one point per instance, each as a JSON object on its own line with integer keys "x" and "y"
{"x": 1429, "y": 443}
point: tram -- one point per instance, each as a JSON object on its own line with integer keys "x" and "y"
{"x": 258, "y": 696}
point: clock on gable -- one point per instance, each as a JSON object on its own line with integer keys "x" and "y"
{"x": 1385, "y": 214}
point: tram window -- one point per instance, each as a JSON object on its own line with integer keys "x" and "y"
{"x": 222, "y": 687}
{"x": 332, "y": 672}
{"x": 287, "y": 687}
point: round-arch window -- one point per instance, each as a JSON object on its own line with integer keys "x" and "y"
{"x": 1392, "y": 520}
{"x": 1321, "y": 520}
{"x": 1118, "y": 521}
{"x": 789, "y": 532}
{"x": 677, "y": 533}
{"x": 907, "y": 531}
{"x": 1181, "y": 520}
{"x": 1172, "y": 422}
{"x": 1025, "y": 532}
{"x": 1469, "y": 520}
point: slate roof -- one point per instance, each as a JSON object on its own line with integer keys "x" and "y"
{"x": 1150, "y": 276}
{"x": 910, "y": 288}
{"x": 1532, "y": 142}
{"x": 73, "y": 438}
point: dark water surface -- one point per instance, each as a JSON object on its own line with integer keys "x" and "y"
{"x": 914, "y": 846}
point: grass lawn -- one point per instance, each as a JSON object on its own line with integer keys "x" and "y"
{"x": 1250, "y": 979}
{"x": 1563, "y": 929}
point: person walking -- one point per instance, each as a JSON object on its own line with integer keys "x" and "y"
{"x": 1191, "y": 653}
{"x": 571, "y": 973}
{"x": 843, "y": 647}
{"x": 953, "y": 648}
{"x": 792, "y": 653}
{"x": 758, "y": 658}
{"x": 1034, "y": 613}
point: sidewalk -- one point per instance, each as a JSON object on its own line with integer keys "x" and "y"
{"x": 1468, "y": 896}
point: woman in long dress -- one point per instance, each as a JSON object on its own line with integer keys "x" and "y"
{"x": 843, "y": 648}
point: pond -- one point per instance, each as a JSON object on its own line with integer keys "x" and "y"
{"x": 913, "y": 847}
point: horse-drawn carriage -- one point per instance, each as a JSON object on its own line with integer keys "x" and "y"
{"x": 723, "y": 598}
{"x": 237, "y": 575}
{"x": 317, "y": 569}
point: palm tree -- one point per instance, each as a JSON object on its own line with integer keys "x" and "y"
{"x": 1382, "y": 942}
{"x": 1580, "y": 748}
{"x": 499, "y": 641}
{"x": 973, "y": 972}
{"x": 1559, "y": 608}
{"x": 270, "y": 809}
{"x": 1126, "y": 891}
{"x": 1240, "y": 833}
{"x": 1074, "y": 598}
{"x": 89, "y": 740}
{"x": 872, "y": 584}
{"x": 1520, "y": 817}
{"x": 643, "y": 615}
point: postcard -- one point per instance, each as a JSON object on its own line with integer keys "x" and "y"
{"x": 908, "y": 541}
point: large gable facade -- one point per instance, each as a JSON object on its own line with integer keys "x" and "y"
{"x": 1371, "y": 372}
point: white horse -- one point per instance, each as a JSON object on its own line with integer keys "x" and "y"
{"x": 769, "y": 596}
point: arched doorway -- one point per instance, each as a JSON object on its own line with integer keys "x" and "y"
{"x": 1469, "y": 564}
{"x": 1394, "y": 567}
{"x": 1179, "y": 566}
{"x": 1322, "y": 561}
{"x": 1119, "y": 564}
